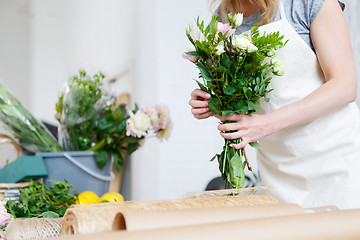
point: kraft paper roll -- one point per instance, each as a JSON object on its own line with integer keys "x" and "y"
{"x": 100, "y": 217}
{"x": 143, "y": 220}
{"x": 342, "y": 224}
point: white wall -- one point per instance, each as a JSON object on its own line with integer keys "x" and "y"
{"x": 67, "y": 35}
{"x": 15, "y": 48}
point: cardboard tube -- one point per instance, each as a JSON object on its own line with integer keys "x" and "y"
{"x": 100, "y": 217}
{"x": 342, "y": 224}
{"x": 142, "y": 220}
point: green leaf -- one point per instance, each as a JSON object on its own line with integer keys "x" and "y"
{"x": 213, "y": 158}
{"x": 226, "y": 61}
{"x": 236, "y": 171}
{"x": 193, "y": 53}
{"x": 118, "y": 161}
{"x": 239, "y": 106}
{"x": 101, "y": 158}
{"x": 205, "y": 73}
{"x": 202, "y": 87}
{"x": 253, "y": 106}
{"x": 215, "y": 105}
{"x": 227, "y": 112}
{"x": 229, "y": 89}
{"x": 49, "y": 214}
{"x": 133, "y": 146}
{"x": 119, "y": 113}
{"x": 255, "y": 145}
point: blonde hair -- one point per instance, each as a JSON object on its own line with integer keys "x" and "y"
{"x": 268, "y": 8}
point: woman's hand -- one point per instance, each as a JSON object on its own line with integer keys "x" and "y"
{"x": 249, "y": 128}
{"x": 199, "y": 104}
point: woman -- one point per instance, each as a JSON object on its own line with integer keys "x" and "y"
{"x": 309, "y": 132}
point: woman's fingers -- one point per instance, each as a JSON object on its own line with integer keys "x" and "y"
{"x": 199, "y": 111}
{"x": 240, "y": 145}
{"x": 232, "y": 117}
{"x": 198, "y": 104}
{"x": 199, "y": 94}
{"x": 202, "y": 116}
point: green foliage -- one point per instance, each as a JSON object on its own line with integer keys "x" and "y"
{"x": 39, "y": 201}
{"x": 237, "y": 76}
{"x": 91, "y": 121}
{"x": 30, "y": 133}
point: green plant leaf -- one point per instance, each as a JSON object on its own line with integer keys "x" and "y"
{"x": 236, "y": 171}
{"x": 101, "y": 158}
{"x": 202, "y": 87}
{"x": 214, "y": 157}
{"x": 227, "y": 112}
{"x": 49, "y": 214}
{"x": 193, "y": 53}
{"x": 215, "y": 105}
{"x": 118, "y": 161}
{"x": 226, "y": 61}
{"x": 255, "y": 145}
{"x": 204, "y": 72}
{"x": 229, "y": 89}
{"x": 132, "y": 147}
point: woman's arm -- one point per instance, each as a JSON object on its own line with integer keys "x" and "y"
{"x": 331, "y": 40}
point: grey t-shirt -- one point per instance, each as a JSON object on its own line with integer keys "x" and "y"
{"x": 299, "y": 13}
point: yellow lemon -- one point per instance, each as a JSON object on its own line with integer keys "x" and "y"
{"x": 111, "y": 197}
{"x": 87, "y": 197}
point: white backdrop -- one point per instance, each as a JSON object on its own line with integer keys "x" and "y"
{"x": 44, "y": 42}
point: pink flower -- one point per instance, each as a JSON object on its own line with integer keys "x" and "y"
{"x": 4, "y": 216}
{"x": 223, "y": 28}
{"x": 193, "y": 59}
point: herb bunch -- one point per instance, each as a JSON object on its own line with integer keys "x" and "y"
{"x": 236, "y": 71}
{"x": 39, "y": 201}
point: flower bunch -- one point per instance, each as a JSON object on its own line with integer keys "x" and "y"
{"x": 92, "y": 120}
{"x": 236, "y": 71}
{"x": 4, "y": 215}
{"x": 151, "y": 119}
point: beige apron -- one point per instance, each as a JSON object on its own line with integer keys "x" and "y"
{"x": 315, "y": 164}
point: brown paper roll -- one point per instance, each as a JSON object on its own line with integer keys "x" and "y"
{"x": 143, "y": 220}
{"x": 100, "y": 217}
{"x": 335, "y": 225}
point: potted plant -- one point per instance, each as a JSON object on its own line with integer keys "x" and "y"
{"x": 94, "y": 121}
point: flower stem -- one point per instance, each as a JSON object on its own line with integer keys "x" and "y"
{"x": 224, "y": 160}
{"x": 246, "y": 159}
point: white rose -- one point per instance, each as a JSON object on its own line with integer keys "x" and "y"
{"x": 271, "y": 53}
{"x": 220, "y": 48}
{"x": 277, "y": 66}
{"x": 238, "y": 19}
{"x": 196, "y": 35}
{"x": 189, "y": 47}
{"x": 241, "y": 42}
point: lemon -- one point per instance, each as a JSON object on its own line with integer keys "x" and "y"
{"x": 111, "y": 197}
{"x": 87, "y": 197}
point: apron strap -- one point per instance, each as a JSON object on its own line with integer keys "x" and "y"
{"x": 282, "y": 11}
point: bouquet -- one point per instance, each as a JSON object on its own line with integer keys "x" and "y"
{"x": 236, "y": 71}
{"x": 30, "y": 133}
{"x": 92, "y": 120}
